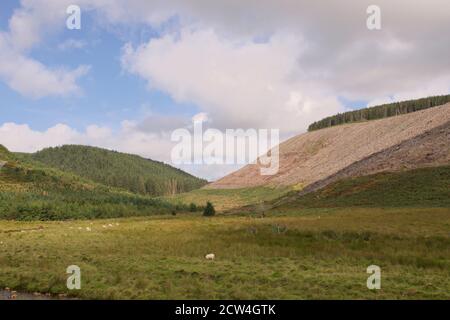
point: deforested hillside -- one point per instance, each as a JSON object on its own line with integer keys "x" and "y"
{"x": 31, "y": 191}
{"x": 121, "y": 170}
{"x": 429, "y": 149}
{"x": 316, "y": 155}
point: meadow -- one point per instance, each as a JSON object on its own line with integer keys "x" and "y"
{"x": 228, "y": 199}
{"x": 289, "y": 254}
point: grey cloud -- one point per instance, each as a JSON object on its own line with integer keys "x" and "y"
{"x": 158, "y": 123}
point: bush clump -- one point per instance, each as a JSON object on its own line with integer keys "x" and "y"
{"x": 209, "y": 210}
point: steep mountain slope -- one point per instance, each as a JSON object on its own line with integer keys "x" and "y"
{"x": 117, "y": 169}
{"x": 31, "y": 191}
{"x": 425, "y": 150}
{"x": 316, "y": 155}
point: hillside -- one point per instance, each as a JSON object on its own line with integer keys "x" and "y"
{"x": 424, "y": 187}
{"x": 425, "y": 150}
{"x": 115, "y": 169}
{"x": 4, "y": 154}
{"x": 31, "y": 191}
{"x": 316, "y": 155}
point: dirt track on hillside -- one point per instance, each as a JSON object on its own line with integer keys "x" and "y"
{"x": 317, "y": 155}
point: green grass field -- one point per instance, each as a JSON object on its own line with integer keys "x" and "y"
{"x": 322, "y": 254}
{"x": 227, "y": 199}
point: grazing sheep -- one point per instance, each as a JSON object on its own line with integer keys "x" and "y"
{"x": 88, "y": 229}
{"x": 110, "y": 225}
{"x": 210, "y": 256}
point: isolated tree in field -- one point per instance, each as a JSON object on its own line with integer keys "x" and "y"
{"x": 209, "y": 210}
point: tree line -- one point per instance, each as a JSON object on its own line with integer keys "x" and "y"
{"x": 381, "y": 111}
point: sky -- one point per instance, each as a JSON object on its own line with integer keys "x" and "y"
{"x": 136, "y": 70}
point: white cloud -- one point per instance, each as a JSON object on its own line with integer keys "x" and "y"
{"x": 327, "y": 45}
{"x": 310, "y": 55}
{"x": 22, "y": 138}
{"x": 31, "y": 78}
{"x": 130, "y": 138}
{"x": 239, "y": 84}
{"x": 21, "y": 72}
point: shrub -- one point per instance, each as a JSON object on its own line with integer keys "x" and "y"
{"x": 192, "y": 207}
{"x": 209, "y": 210}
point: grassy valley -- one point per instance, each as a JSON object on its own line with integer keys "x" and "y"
{"x": 130, "y": 228}
{"x": 319, "y": 254}
{"x": 315, "y": 246}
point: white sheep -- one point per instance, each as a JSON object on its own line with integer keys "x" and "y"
{"x": 210, "y": 256}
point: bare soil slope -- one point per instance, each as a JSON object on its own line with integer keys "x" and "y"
{"x": 429, "y": 149}
{"x": 317, "y": 155}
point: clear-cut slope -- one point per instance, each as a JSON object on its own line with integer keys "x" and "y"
{"x": 316, "y": 155}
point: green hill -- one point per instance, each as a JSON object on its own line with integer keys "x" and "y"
{"x": 115, "y": 169}
{"x": 381, "y": 111}
{"x": 425, "y": 187}
{"x": 31, "y": 191}
{"x": 4, "y": 153}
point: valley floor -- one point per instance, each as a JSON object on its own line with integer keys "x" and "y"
{"x": 290, "y": 254}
